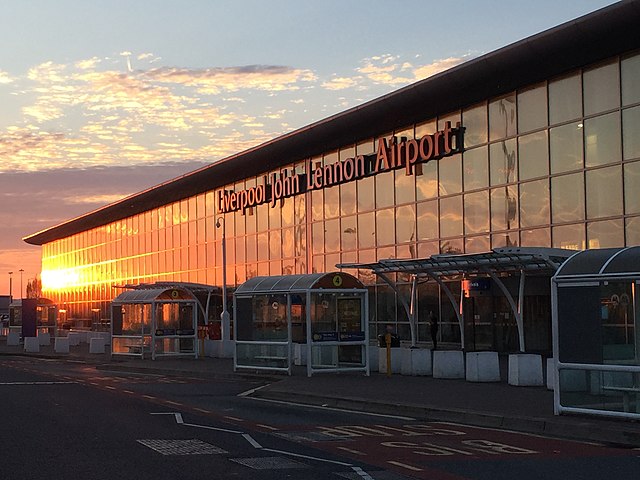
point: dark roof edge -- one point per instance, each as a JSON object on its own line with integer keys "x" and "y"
{"x": 604, "y": 33}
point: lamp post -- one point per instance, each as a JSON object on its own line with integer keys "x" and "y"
{"x": 224, "y": 316}
{"x": 21, "y": 272}
{"x": 10, "y": 287}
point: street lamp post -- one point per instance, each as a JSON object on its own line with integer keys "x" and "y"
{"x": 224, "y": 316}
{"x": 21, "y": 272}
{"x": 10, "y": 287}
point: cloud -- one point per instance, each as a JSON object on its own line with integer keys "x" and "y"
{"x": 341, "y": 83}
{"x": 388, "y": 70}
{"x": 438, "y": 66}
{"x": 5, "y": 78}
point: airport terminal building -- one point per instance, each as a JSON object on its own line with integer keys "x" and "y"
{"x": 534, "y": 145}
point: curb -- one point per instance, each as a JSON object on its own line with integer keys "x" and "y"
{"x": 559, "y": 428}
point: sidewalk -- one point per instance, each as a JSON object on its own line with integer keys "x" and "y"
{"x": 497, "y": 405}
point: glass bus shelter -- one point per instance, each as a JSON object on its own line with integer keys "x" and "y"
{"x": 325, "y": 314}
{"x": 31, "y": 317}
{"x": 157, "y": 321}
{"x": 596, "y": 333}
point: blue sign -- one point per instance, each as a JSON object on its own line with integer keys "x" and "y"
{"x": 352, "y": 336}
{"x": 325, "y": 336}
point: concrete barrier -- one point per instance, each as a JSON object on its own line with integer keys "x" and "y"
{"x": 61, "y": 345}
{"x": 396, "y": 359}
{"x": 74, "y": 339}
{"x": 96, "y": 345}
{"x": 31, "y": 345}
{"x": 525, "y": 370}
{"x": 448, "y": 364}
{"x": 44, "y": 338}
{"x": 482, "y": 367}
{"x": 416, "y": 362}
{"x": 13, "y": 339}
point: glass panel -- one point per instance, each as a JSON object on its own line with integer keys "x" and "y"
{"x": 384, "y": 189}
{"x": 275, "y": 245}
{"x": 534, "y": 203}
{"x": 476, "y": 212}
{"x": 452, "y": 246}
{"x": 532, "y": 108}
{"x": 540, "y": 237}
{"x": 604, "y": 192}
{"x": 405, "y": 187}
{"x": 426, "y": 249}
{"x": 348, "y": 198}
{"x": 331, "y": 202}
{"x": 632, "y": 187}
{"x": 601, "y": 88}
{"x": 349, "y": 233}
{"x": 451, "y": 216}
{"x": 566, "y": 148}
{"x": 453, "y": 117}
{"x": 474, "y": 120}
{"x": 477, "y": 244}
{"x": 507, "y": 239}
{"x": 427, "y": 183}
{"x": 332, "y": 235}
{"x": 607, "y": 234}
{"x": 366, "y": 194}
{"x": 428, "y": 220}
{"x": 406, "y": 224}
{"x": 631, "y": 132}
{"x": 502, "y": 117}
{"x": 533, "y": 158}
{"x": 602, "y": 140}
{"x": 630, "y": 80}
{"x": 385, "y": 227}
{"x": 366, "y": 230}
{"x": 504, "y": 208}
{"x": 476, "y": 173}
{"x": 317, "y": 207}
{"x": 632, "y": 231}
{"x": 567, "y": 198}
{"x": 570, "y": 237}
{"x": 565, "y": 99}
{"x": 504, "y": 163}
{"x": 450, "y": 175}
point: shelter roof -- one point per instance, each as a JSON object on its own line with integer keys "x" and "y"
{"x": 297, "y": 283}
{"x": 149, "y": 295}
{"x": 602, "y": 262}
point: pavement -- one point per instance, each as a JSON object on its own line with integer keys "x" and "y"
{"x": 492, "y": 405}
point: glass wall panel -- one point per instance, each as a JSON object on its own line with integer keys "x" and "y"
{"x": 504, "y": 163}
{"x": 349, "y": 233}
{"x": 532, "y": 108}
{"x": 566, "y": 148}
{"x": 317, "y": 206}
{"x": 275, "y": 242}
{"x": 450, "y": 180}
{"x": 533, "y": 158}
{"x": 452, "y": 246}
{"x": 534, "y": 203}
{"x": 631, "y": 132}
{"x": 631, "y": 188}
{"x": 477, "y": 244}
{"x": 506, "y": 239}
{"x": 565, "y": 99}
{"x": 385, "y": 189}
{"x": 367, "y": 230}
{"x": 332, "y": 235}
{"x": 332, "y": 202}
{"x": 452, "y": 117}
{"x": 427, "y": 183}
{"x": 601, "y": 88}
{"x": 428, "y": 220}
{"x": 287, "y": 242}
{"x": 604, "y": 192}
{"x": 347, "y": 198}
{"x": 406, "y": 224}
{"x": 504, "y": 208}
{"x": 405, "y": 187}
{"x": 606, "y": 234}
{"x": 602, "y": 140}
{"x": 385, "y": 227}
{"x": 451, "y": 216}
{"x": 474, "y": 120}
{"x": 630, "y": 69}
{"x": 632, "y": 231}
{"x": 366, "y": 194}
{"x": 567, "y": 198}
{"x": 570, "y": 237}
{"x": 502, "y": 117}
{"x": 286, "y": 212}
{"x": 476, "y": 171}
{"x": 476, "y": 212}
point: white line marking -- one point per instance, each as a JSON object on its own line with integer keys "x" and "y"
{"x": 404, "y": 465}
{"x": 198, "y": 409}
{"x": 36, "y": 383}
{"x": 177, "y": 416}
{"x": 268, "y": 427}
{"x": 206, "y": 427}
{"x": 284, "y": 452}
{"x": 332, "y": 409}
{"x": 249, "y": 392}
{"x": 350, "y": 450}
{"x": 173, "y": 403}
{"x": 236, "y": 419}
{"x": 362, "y": 473}
{"x": 251, "y": 440}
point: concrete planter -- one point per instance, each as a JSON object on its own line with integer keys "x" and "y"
{"x": 31, "y": 344}
{"x": 74, "y": 339}
{"x": 96, "y": 345}
{"x": 44, "y": 339}
{"x": 482, "y": 367}
{"x": 61, "y": 345}
{"x": 396, "y": 360}
{"x": 448, "y": 364}
{"x": 525, "y": 370}
{"x": 373, "y": 359}
{"x": 13, "y": 339}
{"x": 416, "y": 362}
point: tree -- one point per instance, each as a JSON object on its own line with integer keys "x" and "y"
{"x": 34, "y": 288}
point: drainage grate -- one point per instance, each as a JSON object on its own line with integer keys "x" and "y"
{"x": 182, "y": 447}
{"x": 268, "y": 463}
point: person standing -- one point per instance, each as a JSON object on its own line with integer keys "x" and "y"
{"x": 433, "y": 320}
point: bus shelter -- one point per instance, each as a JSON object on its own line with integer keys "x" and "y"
{"x": 31, "y": 317}
{"x": 324, "y": 314}
{"x": 596, "y": 332}
{"x": 160, "y": 321}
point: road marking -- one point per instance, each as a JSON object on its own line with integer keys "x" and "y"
{"x": 195, "y": 408}
{"x": 128, "y": 391}
{"x": 268, "y": 427}
{"x": 351, "y": 450}
{"x": 236, "y": 419}
{"x": 404, "y": 465}
{"x": 109, "y": 387}
{"x": 173, "y": 403}
{"x": 352, "y": 412}
{"x": 253, "y": 390}
{"x": 299, "y": 455}
{"x": 149, "y": 397}
{"x": 177, "y": 416}
{"x": 36, "y": 383}
{"x": 206, "y": 427}
{"x": 362, "y": 473}
{"x": 251, "y": 440}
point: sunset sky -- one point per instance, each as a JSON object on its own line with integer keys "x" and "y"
{"x": 101, "y": 99}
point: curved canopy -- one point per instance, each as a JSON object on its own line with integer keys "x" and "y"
{"x": 153, "y": 294}
{"x": 297, "y": 283}
{"x": 605, "y": 261}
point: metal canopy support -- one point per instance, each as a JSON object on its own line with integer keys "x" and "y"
{"x": 515, "y": 309}
{"x": 456, "y": 307}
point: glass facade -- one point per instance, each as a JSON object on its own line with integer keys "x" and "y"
{"x": 556, "y": 164}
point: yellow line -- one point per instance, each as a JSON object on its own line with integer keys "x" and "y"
{"x": 404, "y": 465}
{"x": 266, "y": 426}
{"x": 352, "y": 451}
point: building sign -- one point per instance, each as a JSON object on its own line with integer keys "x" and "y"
{"x": 390, "y": 155}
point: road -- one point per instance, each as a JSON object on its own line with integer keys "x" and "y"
{"x": 65, "y": 420}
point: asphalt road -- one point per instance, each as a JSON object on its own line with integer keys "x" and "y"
{"x": 64, "y": 420}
